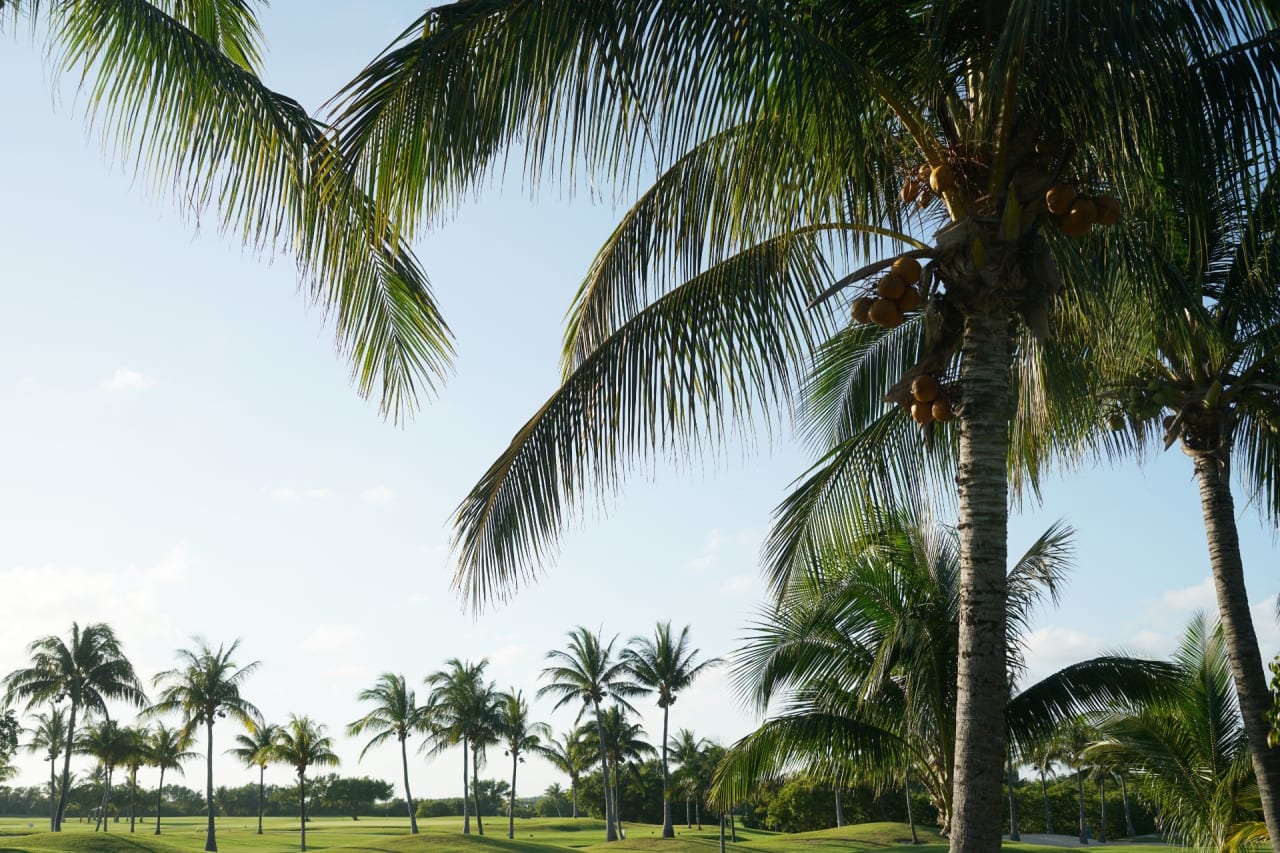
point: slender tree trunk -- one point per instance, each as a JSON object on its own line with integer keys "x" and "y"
{"x": 466, "y": 788}
{"x": 733, "y": 828}
{"x": 1218, "y": 508}
{"x": 160, "y": 800}
{"x": 133, "y": 793}
{"x": 573, "y": 790}
{"x": 262, "y": 792}
{"x": 617, "y": 801}
{"x": 404, "y": 762}
{"x": 839, "y": 807}
{"x": 982, "y": 689}
{"x": 66, "y": 769}
{"x": 475, "y": 785}
{"x": 1044, "y": 798}
{"x": 511, "y": 812}
{"x": 697, "y": 812}
{"x": 302, "y": 805}
{"x": 911, "y": 818}
{"x": 53, "y": 793}
{"x": 102, "y": 805}
{"x": 1084, "y": 839}
{"x": 668, "y": 828}
{"x": 211, "y": 840}
{"x": 1102, "y": 809}
{"x": 1013, "y": 803}
{"x": 721, "y": 832}
{"x": 1129, "y": 831}
{"x": 610, "y": 828}
{"x": 688, "y": 813}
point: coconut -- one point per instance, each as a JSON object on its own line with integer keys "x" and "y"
{"x": 942, "y": 411}
{"x": 909, "y": 300}
{"x": 1108, "y": 209}
{"x": 922, "y": 413}
{"x": 910, "y": 189}
{"x": 942, "y": 179}
{"x": 924, "y": 388}
{"x": 891, "y": 286}
{"x": 1073, "y": 229}
{"x": 907, "y": 268}
{"x": 861, "y": 307}
{"x": 1060, "y": 197}
{"x": 1083, "y": 212}
{"x": 885, "y": 313}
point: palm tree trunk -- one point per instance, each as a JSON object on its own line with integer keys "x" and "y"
{"x": 404, "y": 762}
{"x": 1012, "y": 777}
{"x": 668, "y": 828}
{"x": 1218, "y": 508}
{"x": 1080, "y": 799}
{"x": 511, "y": 812}
{"x": 688, "y": 813}
{"x": 911, "y": 818}
{"x": 262, "y": 790}
{"x": 617, "y": 802}
{"x": 1044, "y": 798}
{"x": 302, "y": 805}
{"x": 466, "y": 789}
{"x": 721, "y": 832}
{"x": 475, "y": 785}
{"x": 573, "y": 790}
{"x": 66, "y": 769}
{"x": 210, "y": 840}
{"x": 53, "y": 793}
{"x": 983, "y": 481}
{"x": 610, "y": 830}
{"x": 1102, "y": 809}
{"x": 733, "y": 828}
{"x": 1129, "y": 831}
{"x": 102, "y": 804}
{"x": 697, "y": 812}
{"x": 133, "y": 793}
{"x": 160, "y": 799}
{"x": 839, "y": 807}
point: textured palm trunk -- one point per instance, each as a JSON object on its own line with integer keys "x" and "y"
{"x": 1129, "y": 831}
{"x": 210, "y": 840}
{"x": 302, "y": 805}
{"x": 160, "y": 800}
{"x": 839, "y": 808}
{"x": 1044, "y": 798}
{"x": 53, "y": 793}
{"x": 511, "y": 810}
{"x": 911, "y": 818}
{"x": 408, "y": 797}
{"x": 733, "y": 828}
{"x": 1102, "y": 809}
{"x": 668, "y": 828}
{"x": 573, "y": 791}
{"x": 697, "y": 813}
{"x": 262, "y": 791}
{"x": 1213, "y": 474}
{"x": 1084, "y": 838}
{"x": 475, "y": 785}
{"x": 983, "y": 482}
{"x": 66, "y": 770}
{"x": 106, "y": 799}
{"x": 688, "y": 813}
{"x": 133, "y": 794}
{"x": 466, "y": 789}
{"x": 610, "y": 828}
{"x": 721, "y": 832}
{"x": 1013, "y": 803}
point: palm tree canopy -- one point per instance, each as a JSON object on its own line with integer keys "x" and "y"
{"x": 255, "y": 745}
{"x": 572, "y": 753}
{"x": 520, "y": 734}
{"x": 107, "y": 741}
{"x": 587, "y": 672}
{"x": 395, "y": 713}
{"x": 462, "y": 705}
{"x": 664, "y": 665}
{"x": 302, "y": 743}
{"x": 168, "y": 748}
{"x": 623, "y": 740}
{"x": 89, "y": 670}
{"x": 151, "y": 71}
{"x": 49, "y": 735}
{"x": 206, "y": 686}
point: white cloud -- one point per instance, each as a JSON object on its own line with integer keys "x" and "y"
{"x": 282, "y": 494}
{"x": 125, "y": 379}
{"x": 710, "y": 552}
{"x": 378, "y": 494}
{"x": 1198, "y": 597}
{"x": 318, "y": 493}
{"x": 330, "y": 638}
{"x": 1050, "y": 648}
{"x": 741, "y": 584}
{"x": 508, "y": 654}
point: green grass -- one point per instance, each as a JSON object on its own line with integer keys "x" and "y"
{"x": 443, "y": 835}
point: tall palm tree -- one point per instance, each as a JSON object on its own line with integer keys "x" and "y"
{"x": 572, "y": 754}
{"x": 153, "y": 70}
{"x": 665, "y": 666}
{"x": 624, "y": 744}
{"x": 136, "y": 738}
{"x": 49, "y": 739}
{"x": 484, "y": 717}
{"x": 396, "y": 714}
{"x": 302, "y": 743}
{"x": 87, "y": 670}
{"x": 255, "y": 748}
{"x": 687, "y": 749}
{"x": 586, "y": 672}
{"x": 461, "y": 704}
{"x": 519, "y": 735}
{"x": 204, "y": 688}
{"x": 707, "y": 281}
{"x": 110, "y": 743}
{"x": 167, "y": 749}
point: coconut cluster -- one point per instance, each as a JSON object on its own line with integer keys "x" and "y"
{"x": 929, "y": 401}
{"x": 1075, "y": 214}
{"x": 889, "y": 299}
{"x": 927, "y": 183}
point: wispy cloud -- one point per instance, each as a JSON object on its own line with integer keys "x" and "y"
{"x": 288, "y": 494}
{"x": 331, "y": 638}
{"x": 1198, "y": 597}
{"x": 378, "y": 495}
{"x": 125, "y": 380}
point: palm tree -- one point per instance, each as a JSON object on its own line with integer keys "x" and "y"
{"x": 166, "y": 750}
{"x": 395, "y": 713}
{"x": 572, "y": 754}
{"x": 87, "y": 670}
{"x": 665, "y": 666}
{"x": 587, "y": 673}
{"x": 519, "y": 735}
{"x": 152, "y": 71}
{"x": 203, "y": 689}
{"x": 1042, "y": 757}
{"x": 49, "y": 738}
{"x": 111, "y": 744}
{"x": 302, "y": 743}
{"x": 695, "y": 313}
{"x": 255, "y": 748}
{"x": 461, "y": 706}
{"x": 1072, "y": 747}
{"x": 623, "y": 743}
{"x": 135, "y": 756}
{"x": 687, "y": 749}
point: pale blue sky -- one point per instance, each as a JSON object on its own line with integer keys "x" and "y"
{"x": 181, "y": 451}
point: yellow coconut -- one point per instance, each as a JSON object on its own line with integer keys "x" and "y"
{"x": 862, "y": 308}
{"x": 942, "y": 179}
{"x": 891, "y": 286}
{"x": 922, "y": 413}
{"x": 909, "y": 300}
{"x": 924, "y": 389}
{"x": 1060, "y": 197}
{"x": 907, "y": 269}
{"x": 942, "y": 411}
{"x": 910, "y": 189}
{"x": 1083, "y": 212}
{"x": 1073, "y": 228}
{"x": 885, "y": 313}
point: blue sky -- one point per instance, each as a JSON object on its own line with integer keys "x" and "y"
{"x": 181, "y": 452}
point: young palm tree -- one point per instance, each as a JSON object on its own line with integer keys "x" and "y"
{"x": 110, "y": 743}
{"x": 572, "y": 754}
{"x": 461, "y": 708}
{"x": 205, "y": 688}
{"x": 396, "y": 714}
{"x": 587, "y": 673}
{"x": 519, "y": 735}
{"x": 255, "y": 748}
{"x": 49, "y": 739}
{"x": 302, "y": 743}
{"x": 166, "y": 750}
{"x": 706, "y": 282}
{"x": 151, "y": 71}
{"x": 687, "y": 750}
{"x": 87, "y": 670}
{"x": 665, "y": 666}
{"x": 135, "y": 756}
{"x": 623, "y": 743}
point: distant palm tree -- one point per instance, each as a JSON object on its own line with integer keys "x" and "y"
{"x": 1072, "y": 747}
{"x": 623, "y": 742}
{"x": 87, "y": 670}
{"x": 301, "y": 744}
{"x": 520, "y": 735}
{"x": 254, "y": 748}
{"x": 572, "y": 754}
{"x": 688, "y": 750}
{"x": 166, "y": 750}
{"x": 464, "y": 710}
{"x": 1042, "y": 758}
{"x": 665, "y": 666}
{"x": 395, "y": 713}
{"x": 110, "y": 743}
{"x": 49, "y": 738}
{"x": 135, "y": 757}
{"x": 204, "y": 688}
{"x": 588, "y": 673}
{"x": 555, "y": 794}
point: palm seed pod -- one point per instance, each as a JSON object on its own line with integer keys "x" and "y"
{"x": 885, "y": 313}
{"x": 924, "y": 389}
{"x": 861, "y": 309}
{"x": 906, "y": 268}
{"x": 1059, "y": 198}
{"x": 890, "y": 287}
